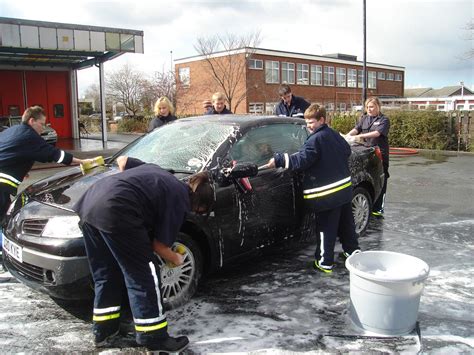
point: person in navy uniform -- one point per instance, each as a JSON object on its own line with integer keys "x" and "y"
{"x": 164, "y": 113}
{"x": 290, "y": 105}
{"x": 126, "y": 217}
{"x": 374, "y": 127}
{"x": 324, "y": 161}
{"x": 20, "y": 147}
{"x": 217, "y": 106}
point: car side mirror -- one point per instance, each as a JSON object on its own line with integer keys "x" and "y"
{"x": 243, "y": 170}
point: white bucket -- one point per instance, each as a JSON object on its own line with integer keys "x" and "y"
{"x": 385, "y": 291}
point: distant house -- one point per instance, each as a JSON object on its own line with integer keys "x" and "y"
{"x": 448, "y": 98}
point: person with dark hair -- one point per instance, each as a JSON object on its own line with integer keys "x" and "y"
{"x": 324, "y": 159}
{"x": 126, "y": 217}
{"x": 290, "y": 105}
{"x": 20, "y": 147}
{"x": 374, "y": 127}
{"x": 164, "y": 113}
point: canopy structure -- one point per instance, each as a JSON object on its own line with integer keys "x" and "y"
{"x": 40, "y": 45}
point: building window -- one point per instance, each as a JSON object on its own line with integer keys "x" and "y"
{"x": 360, "y": 76}
{"x": 471, "y": 107}
{"x": 329, "y": 106}
{"x": 460, "y": 107}
{"x": 352, "y": 78}
{"x": 341, "y": 106}
{"x": 316, "y": 75}
{"x": 184, "y": 76}
{"x": 302, "y": 72}
{"x": 421, "y": 107}
{"x": 341, "y": 77}
{"x": 440, "y": 107}
{"x": 372, "y": 80}
{"x": 58, "y": 110}
{"x": 256, "y": 108}
{"x": 390, "y": 76}
{"x": 398, "y": 77}
{"x": 272, "y": 72}
{"x": 381, "y": 75}
{"x": 328, "y": 76}
{"x": 288, "y": 73}
{"x": 270, "y": 108}
{"x": 255, "y": 64}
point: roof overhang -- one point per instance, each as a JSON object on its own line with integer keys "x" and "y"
{"x": 26, "y": 43}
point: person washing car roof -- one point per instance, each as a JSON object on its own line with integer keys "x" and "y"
{"x": 20, "y": 147}
{"x": 324, "y": 159}
{"x": 124, "y": 218}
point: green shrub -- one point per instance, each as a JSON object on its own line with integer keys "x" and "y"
{"x": 139, "y": 125}
{"x": 343, "y": 123}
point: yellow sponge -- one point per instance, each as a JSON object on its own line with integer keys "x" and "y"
{"x": 89, "y": 164}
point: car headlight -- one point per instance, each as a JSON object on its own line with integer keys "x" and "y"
{"x": 62, "y": 227}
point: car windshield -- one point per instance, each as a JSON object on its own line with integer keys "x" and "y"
{"x": 184, "y": 146}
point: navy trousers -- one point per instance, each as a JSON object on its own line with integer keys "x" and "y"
{"x": 117, "y": 261}
{"x": 329, "y": 225}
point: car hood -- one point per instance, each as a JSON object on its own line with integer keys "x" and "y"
{"x": 64, "y": 189}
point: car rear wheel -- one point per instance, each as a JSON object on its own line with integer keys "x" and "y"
{"x": 180, "y": 283}
{"x": 361, "y": 208}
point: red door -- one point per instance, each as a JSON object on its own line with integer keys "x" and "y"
{"x": 36, "y": 93}
{"x": 11, "y": 93}
{"x": 59, "y": 103}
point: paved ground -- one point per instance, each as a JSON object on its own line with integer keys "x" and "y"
{"x": 277, "y": 304}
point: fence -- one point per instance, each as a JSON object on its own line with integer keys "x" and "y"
{"x": 460, "y": 128}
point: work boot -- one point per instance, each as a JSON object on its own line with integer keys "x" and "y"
{"x": 168, "y": 344}
{"x": 322, "y": 268}
{"x": 104, "y": 334}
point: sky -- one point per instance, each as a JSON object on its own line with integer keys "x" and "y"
{"x": 427, "y": 37}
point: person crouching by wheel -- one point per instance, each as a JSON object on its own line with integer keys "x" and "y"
{"x": 324, "y": 160}
{"x": 118, "y": 214}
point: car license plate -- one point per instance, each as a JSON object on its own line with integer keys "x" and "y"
{"x": 12, "y": 249}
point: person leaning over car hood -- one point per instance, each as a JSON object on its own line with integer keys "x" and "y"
{"x": 20, "y": 147}
{"x": 124, "y": 218}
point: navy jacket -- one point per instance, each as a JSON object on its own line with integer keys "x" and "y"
{"x": 378, "y": 123}
{"x": 142, "y": 196}
{"x": 20, "y": 147}
{"x": 212, "y": 111}
{"x": 297, "y": 107}
{"x": 159, "y": 121}
{"x": 324, "y": 159}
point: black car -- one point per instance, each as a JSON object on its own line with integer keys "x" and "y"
{"x": 43, "y": 246}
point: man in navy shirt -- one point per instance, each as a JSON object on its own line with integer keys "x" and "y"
{"x": 124, "y": 218}
{"x": 290, "y": 105}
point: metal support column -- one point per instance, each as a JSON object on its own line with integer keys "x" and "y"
{"x": 102, "y": 104}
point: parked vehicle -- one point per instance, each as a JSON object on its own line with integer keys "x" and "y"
{"x": 48, "y": 134}
{"x": 120, "y": 116}
{"x": 44, "y": 246}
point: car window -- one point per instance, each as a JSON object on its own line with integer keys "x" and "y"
{"x": 259, "y": 144}
{"x": 182, "y": 146}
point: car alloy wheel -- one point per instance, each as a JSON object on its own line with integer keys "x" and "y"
{"x": 361, "y": 208}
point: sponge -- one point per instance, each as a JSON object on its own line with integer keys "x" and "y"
{"x": 89, "y": 164}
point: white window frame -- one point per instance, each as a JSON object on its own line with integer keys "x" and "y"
{"x": 184, "y": 74}
{"x": 274, "y": 67}
{"x": 302, "y": 74}
{"x": 329, "y": 76}
{"x": 316, "y": 74}
{"x": 352, "y": 78}
{"x": 288, "y": 72}
{"x": 440, "y": 107}
{"x": 256, "y": 108}
{"x": 459, "y": 107}
{"x": 398, "y": 77}
{"x": 341, "y": 106}
{"x": 341, "y": 77}
{"x": 329, "y": 106}
{"x": 270, "y": 107}
{"x": 360, "y": 78}
{"x": 372, "y": 80}
{"x": 381, "y": 75}
{"x": 253, "y": 64}
{"x": 390, "y": 76}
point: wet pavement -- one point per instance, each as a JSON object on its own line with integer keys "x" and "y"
{"x": 275, "y": 302}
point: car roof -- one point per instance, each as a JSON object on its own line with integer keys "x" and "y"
{"x": 243, "y": 121}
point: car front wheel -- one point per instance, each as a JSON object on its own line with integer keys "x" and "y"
{"x": 179, "y": 283}
{"x": 361, "y": 208}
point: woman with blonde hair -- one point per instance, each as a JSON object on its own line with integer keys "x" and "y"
{"x": 164, "y": 113}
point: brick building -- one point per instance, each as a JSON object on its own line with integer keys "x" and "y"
{"x": 334, "y": 80}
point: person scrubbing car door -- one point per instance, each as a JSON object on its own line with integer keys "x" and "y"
{"x": 22, "y": 145}
{"x": 124, "y": 218}
{"x": 324, "y": 160}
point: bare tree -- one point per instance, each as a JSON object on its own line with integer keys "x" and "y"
{"x": 128, "y": 87}
{"x": 228, "y": 70}
{"x": 161, "y": 84}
